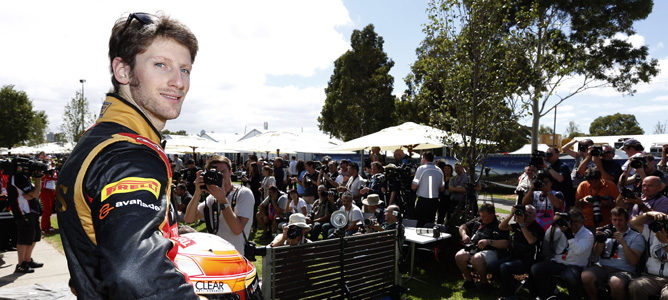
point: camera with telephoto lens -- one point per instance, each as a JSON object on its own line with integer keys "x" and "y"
{"x": 658, "y": 225}
{"x": 564, "y": 219}
{"x": 539, "y": 180}
{"x": 213, "y": 177}
{"x": 520, "y": 210}
{"x": 638, "y": 162}
{"x": 583, "y": 146}
{"x": 294, "y": 232}
{"x": 537, "y": 159}
{"x": 604, "y": 233}
{"x": 596, "y": 150}
{"x": 596, "y": 206}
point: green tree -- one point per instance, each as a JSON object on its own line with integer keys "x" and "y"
{"x": 178, "y": 132}
{"x": 660, "y": 128}
{"x": 572, "y": 130}
{"x": 617, "y": 124}
{"x": 18, "y": 118}
{"x": 359, "y": 93}
{"x": 60, "y": 138}
{"x": 545, "y": 130}
{"x": 77, "y": 118}
{"x": 578, "y": 40}
{"x": 406, "y": 111}
{"x": 37, "y": 127}
{"x": 464, "y": 77}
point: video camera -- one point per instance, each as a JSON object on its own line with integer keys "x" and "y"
{"x": 604, "y": 233}
{"x": 564, "y": 219}
{"x": 28, "y": 166}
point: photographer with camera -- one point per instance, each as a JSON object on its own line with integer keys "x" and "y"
{"x": 634, "y": 151}
{"x": 23, "y": 198}
{"x": 392, "y": 215}
{"x": 272, "y": 211}
{"x": 569, "y": 262}
{"x": 353, "y": 215}
{"x": 560, "y": 175}
{"x": 651, "y": 199}
{"x": 328, "y": 175}
{"x": 596, "y": 197}
{"x": 525, "y": 239}
{"x": 481, "y": 237}
{"x": 322, "y": 210}
{"x": 427, "y": 183}
{"x": 377, "y": 182}
{"x": 228, "y": 209}
{"x": 653, "y": 227}
{"x": 294, "y": 233}
{"x": 600, "y": 157}
{"x": 582, "y": 158}
{"x": 619, "y": 249}
{"x": 544, "y": 198}
{"x": 643, "y": 165}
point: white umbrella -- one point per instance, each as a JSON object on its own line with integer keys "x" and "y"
{"x": 406, "y": 135}
{"x": 286, "y": 142}
{"x": 179, "y": 144}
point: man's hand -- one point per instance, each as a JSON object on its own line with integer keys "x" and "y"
{"x": 482, "y": 244}
{"x": 466, "y": 239}
{"x": 217, "y": 192}
{"x": 199, "y": 181}
{"x": 634, "y": 200}
{"x": 365, "y": 190}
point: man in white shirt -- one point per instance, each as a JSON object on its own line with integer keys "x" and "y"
{"x": 228, "y": 207}
{"x": 569, "y": 263}
{"x": 655, "y": 282}
{"x": 353, "y": 214}
{"x": 428, "y": 181}
{"x": 293, "y": 166}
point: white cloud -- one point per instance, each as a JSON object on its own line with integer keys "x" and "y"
{"x": 660, "y": 98}
{"x": 241, "y": 43}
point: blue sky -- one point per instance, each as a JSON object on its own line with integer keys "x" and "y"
{"x": 260, "y": 60}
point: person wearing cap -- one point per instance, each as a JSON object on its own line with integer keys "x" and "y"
{"x": 297, "y": 224}
{"x": 428, "y": 182}
{"x": 633, "y": 148}
{"x": 373, "y": 208}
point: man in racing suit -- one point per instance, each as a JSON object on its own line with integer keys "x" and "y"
{"x": 113, "y": 192}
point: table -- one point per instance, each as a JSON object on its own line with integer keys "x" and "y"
{"x": 414, "y": 238}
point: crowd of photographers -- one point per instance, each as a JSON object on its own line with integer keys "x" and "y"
{"x": 601, "y": 229}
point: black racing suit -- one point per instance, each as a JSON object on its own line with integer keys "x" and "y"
{"x": 114, "y": 212}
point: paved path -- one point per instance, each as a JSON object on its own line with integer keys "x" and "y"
{"x": 48, "y": 282}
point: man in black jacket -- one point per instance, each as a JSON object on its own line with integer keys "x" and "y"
{"x": 114, "y": 210}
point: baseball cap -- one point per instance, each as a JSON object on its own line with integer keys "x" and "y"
{"x": 628, "y": 143}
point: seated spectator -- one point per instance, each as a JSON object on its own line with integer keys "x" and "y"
{"x": 599, "y": 191}
{"x": 655, "y": 282}
{"x": 391, "y": 220}
{"x": 481, "y": 237}
{"x": 353, "y": 215}
{"x": 525, "y": 239}
{"x": 294, "y": 233}
{"x": 371, "y": 204}
{"x": 619, "y": 253}
{"x": 295, "y": 203}
{"x": 322, "y": 210}
{"x": 524, "y": 182}
{"x": 568, "y": 264}
{"x": 272, "y": 211}
{"x": 544, "y": 199}
{"x": 651, "y": 199}
{"x": 182, "y": 197}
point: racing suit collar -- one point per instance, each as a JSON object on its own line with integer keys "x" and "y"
{"x": 115, "y": 109}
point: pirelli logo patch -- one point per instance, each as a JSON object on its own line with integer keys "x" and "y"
{"x": 129, "y": 185}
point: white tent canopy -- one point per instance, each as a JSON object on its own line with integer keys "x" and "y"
{"x": 178, "y": 144}
{"x": 48, "y": 148}
{"x": 417, "y": 136}
{"x": 526, "y": 149}
{"x": 286, "y": 142}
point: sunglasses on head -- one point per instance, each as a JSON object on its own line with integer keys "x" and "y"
{"x": 143, "y": 18}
